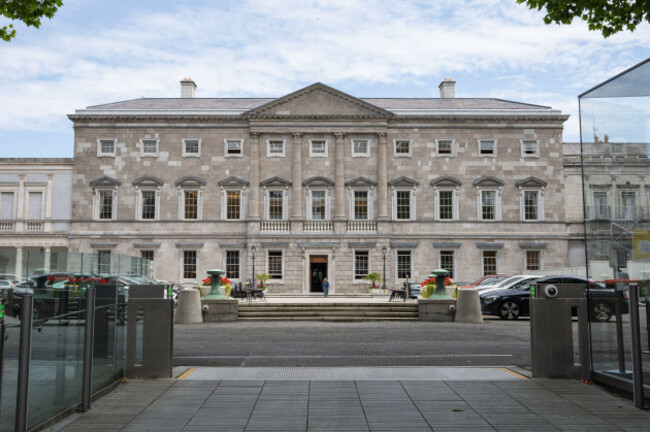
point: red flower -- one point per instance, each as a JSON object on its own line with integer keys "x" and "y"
{"x": 225, "y": 281}
{"x": 207, "y": 280}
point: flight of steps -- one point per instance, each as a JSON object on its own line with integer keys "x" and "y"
{"x": 323, "y": 311}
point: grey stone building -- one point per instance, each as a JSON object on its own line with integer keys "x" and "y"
{"x": 35, "y": 205}
{"x": 320, "y": 182}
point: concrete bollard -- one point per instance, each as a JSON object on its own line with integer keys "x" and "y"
{"x": 188, "y": 310}
{"x": 468, "y": 307}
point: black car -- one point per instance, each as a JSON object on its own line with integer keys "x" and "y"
{"x": 510, "y": 304}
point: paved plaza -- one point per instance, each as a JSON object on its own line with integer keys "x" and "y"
{"x": 495, "y": 399}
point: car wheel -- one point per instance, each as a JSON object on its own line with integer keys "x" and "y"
{"x": 509, "y": 310}
{"x": 602, "y": 312}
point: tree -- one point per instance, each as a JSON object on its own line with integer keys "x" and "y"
{"x": 29, "y": 12}
{"x": 607, "y": 16}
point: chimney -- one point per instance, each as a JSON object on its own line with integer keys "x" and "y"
{"x": 447, "y": 88}
{"x": 188, "y": 88}
{"x": 606, "y": 138}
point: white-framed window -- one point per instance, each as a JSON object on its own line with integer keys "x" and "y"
{"x": 601, "y": 205}
{"x": 105, "y": 204}
{"x": 446, "y": 204}
{"x": 490, "y": 262}
{"x": 7, "y": 205}
{"x": 233, "y": 147}
{"x": 403, "y": 204}
{"x": 487, "y": 148}
{"x": 445, "y": 148}
{"x": 360, "y": 147}
{"x": 275, "y": 205}
{"x": 34, "y": 205}
{"x": 275, "y": 264}
{"x": 361, "y": 204}
{"x": 532, "y": 205}
{"x": 489, "y": 205}
{"x": 191, "y": 204}
{"x": 275, "y": 148}
{"x": 149, "y": 148}
{"x": 232, "y": 264}
{"x": 361, "y": 264}
{"x": 318, "y": 148}
{"x": 106, "y": 147}
{"x": 404, "y": 264}
{"x": 318, "y": 205}
{"x": 447, "y": 261}
{"x": 532, "y": 260}
{"x": 103, "y": 262}
{"x": 191, "y": 147}
{"x": 189, "y": 264}
{"x": 147, "y": 267}
{"x": 147, "y": 204}
{"x": 402, "y": 148}
{"x": 628, "y": 205}
{"x": 529, "y": 148}
{"x": 232, "y": 204}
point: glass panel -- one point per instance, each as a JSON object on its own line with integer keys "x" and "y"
{"x": 232, "y": 264}
{"x": 360, "y": 264}
{"x": 615, "y": 125}
{"x": 148, "y": 204}
{"x": 403, "y": 205}
{"x": 234, "y": 147}
{"x": 531, "y": 206}
{"x": 444, "y": 147}
{"x": 360, "y": 146}
{"x": 488, "y": 205}
{"x": 276, "y": 147}
{"x": 360, "y": 205}
{"x": 149, "y": 146}
{"x": 486, "y": 147}
{"x": 489, "y": 262}
{"x": 191, "y": 205}
{"x": 446, "y": 205}
{"x": 403, "y": 264}
{"x": 107, "y": 146}
{"x": 402, "y": 147}
{"x": 189, "y": 264}
{"x": 192, "y": 146}
{"x": 318, "y": 147}
{"x": 233, "y": 202}
{"x": 35, "y": 205}
{"x": 318, "y": 205}
{"x": 447, "y": 262}
{"x": 6, "y": 205}
{"x": 275, "y": 264}
{"x": 275, "y": 205}
{"x": 106, "y": 204}
{"x": 533, "y": 260}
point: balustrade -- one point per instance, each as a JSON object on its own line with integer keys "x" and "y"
{"x": 34, "y": 226}
{"x": 362, "y": 226}
{"x": 6, "y": 226}
{"x": 318, "y": 226}
{"x": 275, "y": 226}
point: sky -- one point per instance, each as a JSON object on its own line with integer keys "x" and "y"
{"x": 95, "y": 52}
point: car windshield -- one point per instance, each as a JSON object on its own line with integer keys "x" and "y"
{"x": 508, "y": 281}
{"x": 524, "y": 284}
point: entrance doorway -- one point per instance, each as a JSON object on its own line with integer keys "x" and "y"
{"x": 317, "y": 271}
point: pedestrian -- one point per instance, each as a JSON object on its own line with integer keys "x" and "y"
{"x": 326, "y": 286}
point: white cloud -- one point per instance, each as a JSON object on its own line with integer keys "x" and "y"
{"x": 263, "y": 48}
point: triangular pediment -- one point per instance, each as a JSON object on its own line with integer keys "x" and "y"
{"x": 318, "y": 181}
{"x": 275, "y": 181}
{"x": 446, "y": 181}
{"x": 360, "y": 182}
{"x": 233, "y": 181}
{"x": 531, "y": 182}
{"x": 148, "y": 181}
{"x": 318, "y": 100}
{"x": 403, "y": 181}
{"x": 105, "y": 181}
{"x": 190, "y": 180}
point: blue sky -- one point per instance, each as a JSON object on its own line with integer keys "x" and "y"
{"x": 96, "y": 52}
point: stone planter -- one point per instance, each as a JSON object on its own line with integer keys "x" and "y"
{"x": 220, "y": 310}
{"x": 439, "y": 310}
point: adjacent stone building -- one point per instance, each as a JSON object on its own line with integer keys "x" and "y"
{"x": 35, "y": 205}
{"x": 321, "y": 183}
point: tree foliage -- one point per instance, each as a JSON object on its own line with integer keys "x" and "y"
{"x": 29, "y": 12}
{"x": 607, "y": 16}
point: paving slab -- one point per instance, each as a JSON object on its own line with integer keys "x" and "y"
{"x": 369, "y": 403}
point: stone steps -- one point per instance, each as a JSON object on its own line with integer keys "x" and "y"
{"x": 324, "y": 311}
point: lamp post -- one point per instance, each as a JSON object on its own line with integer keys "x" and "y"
{"x": 253, "y": 248}
{"x": 384, "y": 249}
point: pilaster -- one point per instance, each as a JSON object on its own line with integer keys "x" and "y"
{"x": 339, "y": 178}
{"x": 296, "y": 205}
{"x": 382, "y": 178}
{"x": 254, "y": 203}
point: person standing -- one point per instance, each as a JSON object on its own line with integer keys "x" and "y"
{"x": 326, "y": 287}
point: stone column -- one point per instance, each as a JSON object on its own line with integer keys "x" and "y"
{"x": 48, "y": 205}
{"x": 19, "y": 262}
{"x": 46, "y": 259}
{"x": 339, "y": 178}
{"x": 382, "y": 178}
{"x": 296, "y": 191}
{"x": 20, "y": 214}
{"x": 254, "y": 206}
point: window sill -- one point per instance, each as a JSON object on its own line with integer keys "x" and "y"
{"x": 191, "y": 155}
{"x": 233, "y": 155}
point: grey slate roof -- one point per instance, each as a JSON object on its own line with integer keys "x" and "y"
{"x": 396, "y": 105}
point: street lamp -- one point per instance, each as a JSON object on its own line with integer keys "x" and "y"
{"x": 384, "y": 249}
{"x": 253, "y": 248}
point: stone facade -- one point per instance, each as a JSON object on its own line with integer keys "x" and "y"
{"x": 304, "y": 148}
{"x": 35, "y": 204}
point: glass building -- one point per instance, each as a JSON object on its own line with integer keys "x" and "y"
{"x": 615, "y": 139}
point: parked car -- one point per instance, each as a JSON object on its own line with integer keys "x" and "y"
{"x": 486, "y": 280}
{"x": 511, "y": 303}
{"x": 414, "y": 290}
{"x": 511, "y": 282}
